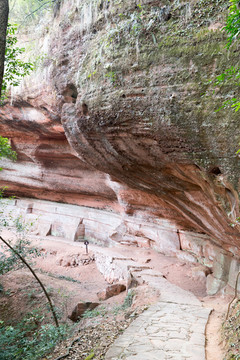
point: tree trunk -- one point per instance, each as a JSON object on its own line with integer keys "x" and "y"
{"x": 3, "y": 28}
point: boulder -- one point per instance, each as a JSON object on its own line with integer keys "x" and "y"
{"x": 214, "y": 285}
{"x": 110, "y": 291}
{"x": 80, "y": 309}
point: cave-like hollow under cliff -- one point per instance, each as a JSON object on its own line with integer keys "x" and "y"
{"x": 115, "y": 140}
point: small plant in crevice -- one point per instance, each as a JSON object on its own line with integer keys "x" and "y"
{"x": 68, "y": 278}
{"x": 127, "y": 302}
{"x": 132, "y": 26}
{"x": 111, "y": 75}
{"x": 99, "y": 311}
{"x": 60, "y": 277}
{"x": 90, "y": 356}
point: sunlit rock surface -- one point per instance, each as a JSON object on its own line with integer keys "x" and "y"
{"x": 119, "y": 117}
{"x": 47, "y": 167}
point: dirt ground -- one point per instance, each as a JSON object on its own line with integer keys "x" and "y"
{"x": 70, "y": 283}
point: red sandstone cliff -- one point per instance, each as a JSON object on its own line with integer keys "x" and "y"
{"x": 115, "y": 118}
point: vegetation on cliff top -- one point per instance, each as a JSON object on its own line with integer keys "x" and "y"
{"x": 232, "y": 74}
{"x": 15, "y": 68}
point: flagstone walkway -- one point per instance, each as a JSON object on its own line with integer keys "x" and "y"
{"x": 172, "y": 329}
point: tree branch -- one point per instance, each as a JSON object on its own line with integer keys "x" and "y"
{"x": 31, "y": 13}
{"x": 36, "y": 277}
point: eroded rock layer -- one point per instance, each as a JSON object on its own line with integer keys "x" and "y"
{"x": 47, "y": 167}
{"x": 119, "y": 118}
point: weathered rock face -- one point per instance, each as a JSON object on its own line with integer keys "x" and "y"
{"x": 126, "y": 82}
{"x": 147, "y": 125}
{"x": 47, "y": 167}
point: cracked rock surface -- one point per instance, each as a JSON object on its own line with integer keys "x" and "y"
{"x": 172, "y": 329}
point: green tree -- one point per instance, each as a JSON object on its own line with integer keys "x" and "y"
{"x": 15, "y": 68}
{"x": 232, "y": 74}
{"x": 20, "y": 11}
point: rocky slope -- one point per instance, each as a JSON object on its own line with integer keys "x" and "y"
{"x": 119, "y": 117}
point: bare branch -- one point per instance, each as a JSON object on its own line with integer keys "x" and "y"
{"x": 36, "y": 277}
{"x": 42, "y": 5}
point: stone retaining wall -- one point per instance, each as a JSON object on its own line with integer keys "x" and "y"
{"x": 78, "y": 223}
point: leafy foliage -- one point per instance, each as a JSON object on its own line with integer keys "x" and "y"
{"x": 30, "y": 339}
{"x": 101, "y": 310}
{"x": 232, "y": 26}
{"x": 6, "y": 150}
{"x": 232, "y": 74}
{"x": 15, "y": 68}
{"x": 11, "y": 261}
{"x": 127, "y": 302}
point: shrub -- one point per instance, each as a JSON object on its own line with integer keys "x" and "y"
{"x": 30, "y": 339}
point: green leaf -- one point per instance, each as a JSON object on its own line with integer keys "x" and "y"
{"x": 90, "y": 356}
{"x": 15, "y": 68}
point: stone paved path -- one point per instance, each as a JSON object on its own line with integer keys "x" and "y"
{"x": 172, "y": 329}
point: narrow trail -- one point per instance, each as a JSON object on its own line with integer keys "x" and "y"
{"x": 172, "y": 329}
{"x": 181, "y": 325}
